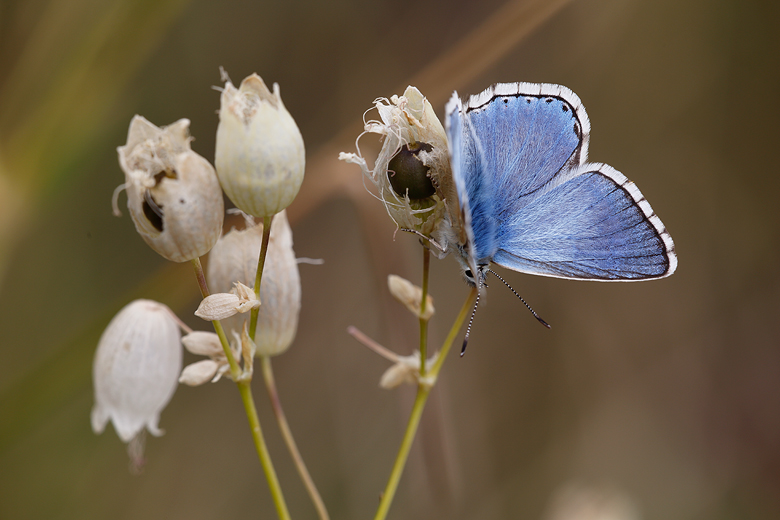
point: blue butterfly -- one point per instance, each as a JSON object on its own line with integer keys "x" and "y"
{"x": 530, "y": 202}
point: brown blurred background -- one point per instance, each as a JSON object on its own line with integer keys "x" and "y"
{"x": 656, "y": 400}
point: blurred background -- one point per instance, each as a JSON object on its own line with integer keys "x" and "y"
{"x": 656, "y": 400}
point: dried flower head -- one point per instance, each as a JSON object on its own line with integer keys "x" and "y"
{"x": 259, "y": 152}
{"x": 234, "y": 259}
{"x": 136, "y": 369}
{"x": 412, "y": 171}
{"x": 173, "y": 193}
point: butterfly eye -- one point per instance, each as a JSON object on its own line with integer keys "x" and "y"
{"x": 407, "y": 172}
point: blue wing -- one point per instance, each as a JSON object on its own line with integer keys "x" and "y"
{"x": 593, "y": 224}
{"x": 531, "y": 205}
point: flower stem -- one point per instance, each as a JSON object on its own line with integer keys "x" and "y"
{"x": 423, "y": 321}
{"x": 276, "y": 404}
{"x": 245, "y": 390}
{"x": 419, "y": 404}
{"x": 259, "y": 275}
{"x": 235, "y": 370}
{"x": 262, "y": 451}
{"x": 445, "y": 349}
{"x": 403, "y": 452}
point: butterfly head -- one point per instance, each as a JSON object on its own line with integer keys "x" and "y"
{"x": 473, "y": 273}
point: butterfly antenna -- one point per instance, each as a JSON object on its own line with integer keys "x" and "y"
{"x": 468, "y": 329}
{"x": 521, "y": 298}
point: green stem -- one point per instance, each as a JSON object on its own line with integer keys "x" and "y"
{"x": 403, "y": 452}
{"x": 424, "y": 321}
{"x": 419, "y": 404}
{"x": 245, "y": 390}
{"x": 445, "y": 349}
{"x": 262, "y": 451}
{"x": 259, "y": 275}
{"x": 235, "y": 370}
{"x": 276, "y": 404}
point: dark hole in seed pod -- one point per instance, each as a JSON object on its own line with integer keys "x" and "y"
{"x": 153, "y": 211}
{"x": 165, "y": 174}
{"x": 406, "y": 171}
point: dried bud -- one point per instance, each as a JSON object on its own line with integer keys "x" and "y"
{"x": 410, "y": 295}
{"x": 234, "y": 259}
{"x": 406, "y": 369}
{"x": 203, "y": 343}
{"x": 199, "y": 372}
{"x": 205, "y": 370}
{"x": 136, "y": 369}
{"x": 412, "y": 172}
{"x": 173, "y": 194}
{"x": 259, "y": 153}
{"x": 220, "y": 306}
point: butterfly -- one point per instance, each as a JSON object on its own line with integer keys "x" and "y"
{"x": 529, "y": 201}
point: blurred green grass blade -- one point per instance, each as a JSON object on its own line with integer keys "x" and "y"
{"x": 73, "y": 68}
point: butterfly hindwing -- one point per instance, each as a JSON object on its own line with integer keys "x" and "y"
{"x": 595, "y": 225}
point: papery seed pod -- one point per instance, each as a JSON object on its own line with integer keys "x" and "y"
{"x": 136, "y": 369}
{"x": 412, "y": 171}
{"x": 173, "y": 193}
{"x": 259, "y": 152}
{"x": 234, "y": 259}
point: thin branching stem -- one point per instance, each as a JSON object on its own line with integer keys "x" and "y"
{"x": 423, "y": 389}
{"x": 245, "y": 390}
{"x": 276, "y": 404}
{"x": 200, "y": 276}
{"x": 262, "y": 450}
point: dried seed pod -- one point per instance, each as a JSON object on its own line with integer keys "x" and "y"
{"x": 234, "y": 259}
{"x": 411, "y": 173}
{"x": 173, "y": 193}
{"x": 136, "y": 369}
{"x": 259, "y": 153}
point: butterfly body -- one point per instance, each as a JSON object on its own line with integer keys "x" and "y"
{"x": 529, "y": 201}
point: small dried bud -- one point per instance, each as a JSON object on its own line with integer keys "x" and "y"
{"x": 410, "y": 295}
{"x": 234, "y": 259}
{"x": 212, "y": 369}
{"x": 259, "y": 152}
{"x": 203, "y": 343}
{"x": 199, "y": 372}
{"x": 406, "y": 369}
{"x": 224, "y": 305}
{"x": 173, "y": 194}
{"x": 136, "y": 368}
